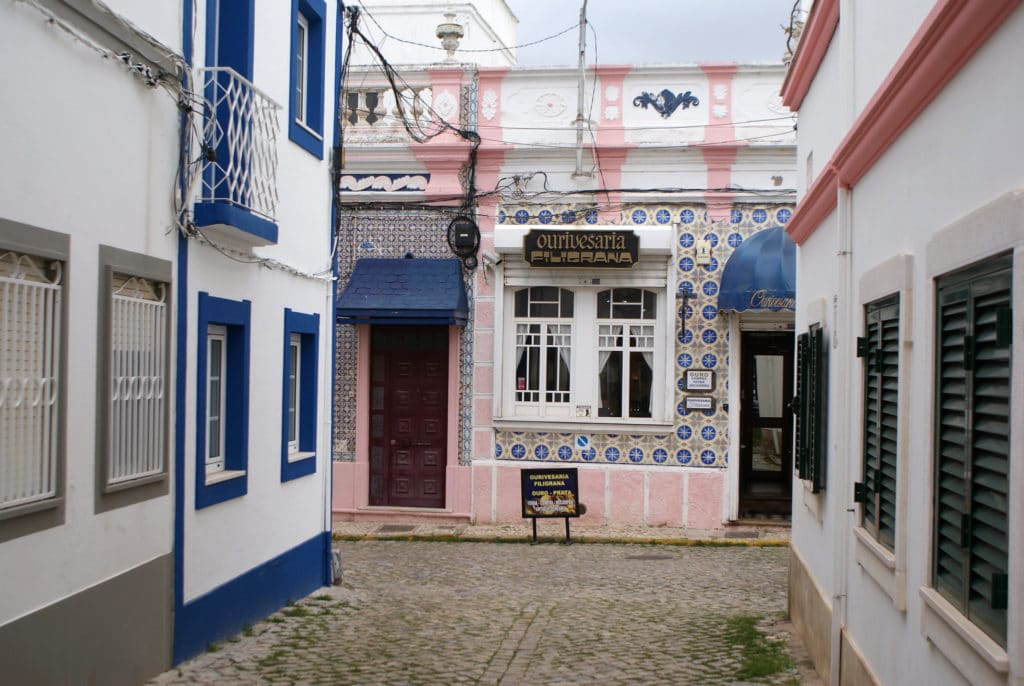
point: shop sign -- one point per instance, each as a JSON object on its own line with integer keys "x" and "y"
{"x": 763, "y": 300}
{"x": 581, "y": 249}
{"x": 700, "y": 380}
{"x": 699, "y": 402}
{"x": 550, "y": 493}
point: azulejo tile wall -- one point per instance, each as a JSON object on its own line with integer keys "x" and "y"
{"x": 391, "y": 233}
{"x": 698, "y": 439}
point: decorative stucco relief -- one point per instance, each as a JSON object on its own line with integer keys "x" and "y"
{"x": 489, "y": 104}
{"x": 549, "y": 105}
{"x": 384, "y": 182}
{"x": 445, "y": 105}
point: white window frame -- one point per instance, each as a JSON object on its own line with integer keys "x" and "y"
{"x": 302, "y": 70}
{"x": 216, "y": 332}
{"x": 584, "y": 400}
{"x": 294, "y": 390}
{"x": 655, "y": 270}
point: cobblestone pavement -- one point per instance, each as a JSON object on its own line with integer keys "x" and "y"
{"x": 418, "y": 612}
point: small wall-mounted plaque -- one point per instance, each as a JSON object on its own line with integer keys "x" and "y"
{"x": 700, "y": 402}
{"x": 700, "y": 380}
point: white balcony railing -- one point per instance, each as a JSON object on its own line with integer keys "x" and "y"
{"x": 239, "y": 143}
{"x": 376, "y": 108}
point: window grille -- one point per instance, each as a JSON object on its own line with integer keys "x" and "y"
{"x": 30, "y": 351}
{"x": 138, "y": 363}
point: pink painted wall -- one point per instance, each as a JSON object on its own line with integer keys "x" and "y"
{"x": 614, "y": 495}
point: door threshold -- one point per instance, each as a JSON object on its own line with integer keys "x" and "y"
{"x": 412, "y": 515}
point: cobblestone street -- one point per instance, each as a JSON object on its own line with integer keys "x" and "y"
{"x": 412, "y": 612}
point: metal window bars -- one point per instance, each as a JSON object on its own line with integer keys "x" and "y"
{"x": 30, "y": 352}
{"x": 138, "y": 363}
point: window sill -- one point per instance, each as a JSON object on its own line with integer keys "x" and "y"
{"x": 223, "y": 475}
{"x": 880, "y": 564}
{"x": 29, "y": 508}
{"x": 312, "y": 132}
{"x": 965, "y": 645}
{"x": 134, "y": 483}
{"x": 300, "y": 455}
{"x": 583, "y": 425}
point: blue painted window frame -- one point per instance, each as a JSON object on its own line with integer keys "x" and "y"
{"x": 309, "y": 136}
{"x": 307, "y": 326}
{"x": 235, "y": 316}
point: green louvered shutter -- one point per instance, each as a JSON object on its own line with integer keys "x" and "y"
{"x": 800, "y": 429}
{"x": 881, "y": 410}
{"x": 815, "y": 416}
{"x": 809, "y": 407}
{"x": 972, "y": 442}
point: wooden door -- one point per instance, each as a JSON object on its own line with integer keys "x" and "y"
{"x": 408, "y": 415}
{"x": 766, "y": 423}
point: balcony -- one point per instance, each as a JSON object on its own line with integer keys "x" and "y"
{"x": 371, "y": 113}
{"x": 238, "y": 188}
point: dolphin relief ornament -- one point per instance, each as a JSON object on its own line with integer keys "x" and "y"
{"x": 666, "y": 102}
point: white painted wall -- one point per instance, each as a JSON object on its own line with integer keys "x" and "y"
{"x": 960, "y": 154}
{"x": 488, "y": 25}
{"x": 89, "y": 151}
{"x": 230, "y": 538}
{"x": 159, "y": 18}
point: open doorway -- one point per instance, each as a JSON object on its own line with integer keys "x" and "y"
{"x": 766, "y": 423}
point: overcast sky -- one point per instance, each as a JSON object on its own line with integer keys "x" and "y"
{"x": 654, "y": 31}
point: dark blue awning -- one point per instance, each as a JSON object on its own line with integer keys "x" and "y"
{"x": 404, "y": 291}
{"x": 761, "y": 274}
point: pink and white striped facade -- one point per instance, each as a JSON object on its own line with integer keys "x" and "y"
{"x": 720, "y": 170}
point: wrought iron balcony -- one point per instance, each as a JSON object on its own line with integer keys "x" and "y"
{"x": 238, "y": 188}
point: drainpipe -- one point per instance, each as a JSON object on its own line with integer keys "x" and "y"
{"x": 843, "y": 340}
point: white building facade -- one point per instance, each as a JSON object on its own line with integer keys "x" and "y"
{"x": 165, "y": 264}
{"x": 908, "y": 535}
{"x": 689, "y": 161}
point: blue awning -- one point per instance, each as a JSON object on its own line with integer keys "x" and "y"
{"x": 761, "y": 274}
{"x": 404, "y": 291}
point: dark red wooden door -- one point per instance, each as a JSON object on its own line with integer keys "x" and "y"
{"x": 408, "y": 415}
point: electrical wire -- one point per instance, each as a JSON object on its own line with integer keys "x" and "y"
{"x": 474, "y": 50}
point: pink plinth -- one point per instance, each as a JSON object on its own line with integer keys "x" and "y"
{"x": 665, "y": 499}
{"x": 591, "y": 483}
{"x": 458, "y": 489}
{"x": 705, "y": 499}
{"x": 510, "y": 505}
{"x": 350, "y": 485}
{"x": 483, "y": 482}
{"x": 626, "y": 497}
